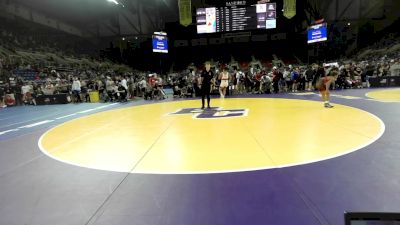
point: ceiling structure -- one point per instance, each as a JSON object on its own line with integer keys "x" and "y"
{"x": 104, "y": 18}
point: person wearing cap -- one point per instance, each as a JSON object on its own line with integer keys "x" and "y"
{"x": 205, "y": 84}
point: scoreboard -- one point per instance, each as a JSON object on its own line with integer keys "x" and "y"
{"x": 236, "y": 18}
{"x": 317, "y": 33}
{"x": 160, "y": 42}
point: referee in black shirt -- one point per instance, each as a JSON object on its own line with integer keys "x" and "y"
{"x": 205, "y": 84}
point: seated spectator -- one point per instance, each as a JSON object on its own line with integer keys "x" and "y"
{"x": 266, "y": 82}
{"x": 27, "y": 91}
{"x": 121, "y": 93}
{"x": 395, "y": 68}
{"x": 2, "y": 94}
{"x": 48, "y": 88}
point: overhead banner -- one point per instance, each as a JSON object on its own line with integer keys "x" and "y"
{"x": 185, "y": 12}
{"x": 289, "y": 8}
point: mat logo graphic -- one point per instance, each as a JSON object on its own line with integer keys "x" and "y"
{"x": 212, "y": 113}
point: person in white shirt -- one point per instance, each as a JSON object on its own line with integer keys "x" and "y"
{"x": 143, "y": 86}
{"x": 124, "y": 83}
{"x": 240, "y": 81}
{"x": 109, "y": 88}
{"x": 26, "y": 91}
{"x": 395, "y": 68}
{"x": 76, "y": 89}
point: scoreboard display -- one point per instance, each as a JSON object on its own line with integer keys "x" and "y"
{"x": 236, "y": 18}
{"x": 317, "y": 33}
{"x": 160, "y": 42}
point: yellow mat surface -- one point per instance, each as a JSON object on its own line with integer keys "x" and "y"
{"x": 242, "y": 134}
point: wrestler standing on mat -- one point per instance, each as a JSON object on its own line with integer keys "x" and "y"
{"x": 324, "y": 84}
{"x": 224, "y": 77}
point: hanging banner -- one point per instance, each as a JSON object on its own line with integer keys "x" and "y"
{"x": 289, "y": 8}
{"x": 185, "y": 12}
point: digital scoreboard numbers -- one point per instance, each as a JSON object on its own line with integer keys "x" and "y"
{"x": 160, "y": 42}
{"x": 236, "y": 18}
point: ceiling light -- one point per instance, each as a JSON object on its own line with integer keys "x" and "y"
{"x": 113, "y": 1}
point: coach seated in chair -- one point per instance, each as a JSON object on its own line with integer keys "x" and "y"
{"x": 48, "y": 88}
{"x": 121, "y": 93}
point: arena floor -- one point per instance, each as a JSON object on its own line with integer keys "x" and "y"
{"x": 252, "y": 159}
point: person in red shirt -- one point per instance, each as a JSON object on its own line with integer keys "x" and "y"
{"x": 276, "y": 76}
{"x": 258, "y": 81}
{"x": 324, "y": 84}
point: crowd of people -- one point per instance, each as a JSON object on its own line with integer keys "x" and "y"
{"x": 112, "y": 86}
{"x": 108, "y": 85}
{"x": 27, "y": 72}
{"x": 291, "y": 78}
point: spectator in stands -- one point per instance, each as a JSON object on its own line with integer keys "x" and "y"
{"x": 2, "y": 94}
{"x": 257, "y": 81}
{"x": 358, "y": 77}
{"x": 9, "y": 99}
{"x": 160, "y": 85}
{"x": 302, "y": 80}
{"x": 76, "y": 89}
{"x": 288, "y": 79}
{"x": 240, "y": 82}
{"x": 248, "y": 82}
{"x": 152, "y": 80}
{"x": 124, "y": 82}
{"x": 142, "y": 86}
{"x": 295, "y": 77}
{"x": 48, "y": 88}
{"x": 121, "y": 93}
{"x": 276, "y": 77}
{"x": 17, "y": 91}
{"x": 84, "y": 90}
{"x": 234, "y": 79}
{"x": 100, "y": 87}
{"x": 27, "y": 90}
{"x": 395, "y": 68}
{"x": 109, "y": 88}
{"x": 309, "y": 76}
{"x": 266, "y": 82}
{"x": 196, "y": 82}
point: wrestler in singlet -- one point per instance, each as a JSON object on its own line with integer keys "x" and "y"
{"x": 224, "y": 77}
{"x": 323, "y": 85}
